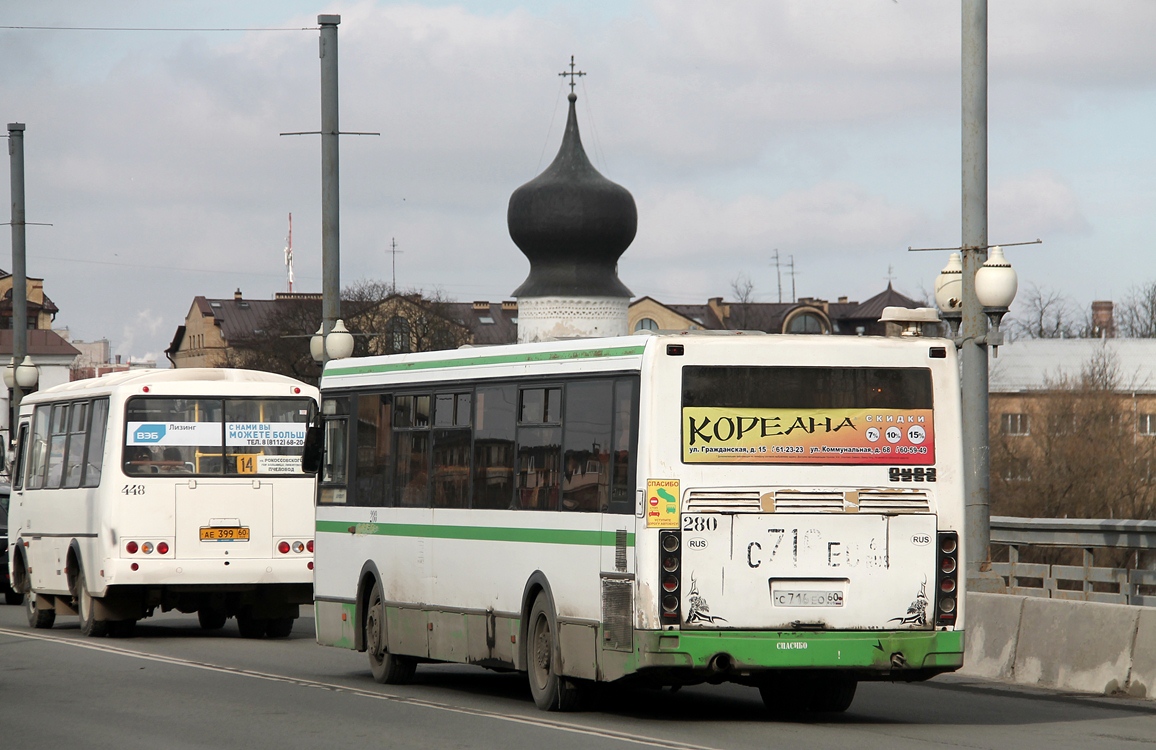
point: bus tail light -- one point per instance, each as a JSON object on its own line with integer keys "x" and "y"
{"x": 147, "y": 548}
{"x": 670, "y": 561}
{"x": 948, "y": 583}
{"x": 309, "y": 546}
{"x": 283, "y": 548}
{"x": 131, "y": 548}
{"x": 298, "y": 547}
{"x": 162, "y": 548}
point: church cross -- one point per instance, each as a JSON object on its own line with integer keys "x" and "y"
{"x": 572, "y": 74}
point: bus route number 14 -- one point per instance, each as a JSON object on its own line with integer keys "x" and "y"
{"x": 699, "y": 523}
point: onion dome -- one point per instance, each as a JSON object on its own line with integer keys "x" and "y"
{"x": 573, "y": 224}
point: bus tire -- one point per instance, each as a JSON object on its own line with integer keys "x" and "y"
{"x": 834, "y": 693}
{"x": 251, "y": 627}
{"x": 13, "y": 597}
{"x": 387, "y": 668}
{"x": 279, "y": 627}
{"x": 86, "y": 609}
{"x": 211, "y": 619}
{"x": 787, "y": 696}
{"x": 551, "y": 691}
{"x": 41, "y": 619}
{"x": 121, "y": 628}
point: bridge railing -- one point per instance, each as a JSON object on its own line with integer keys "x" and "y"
{"x": 1086, "y": 582}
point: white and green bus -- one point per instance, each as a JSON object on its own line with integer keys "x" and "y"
{"x": 779, "y": 511}
{"x": 160, "y": 490}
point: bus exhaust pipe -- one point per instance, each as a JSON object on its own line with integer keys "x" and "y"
{"x": 721, "y": 663}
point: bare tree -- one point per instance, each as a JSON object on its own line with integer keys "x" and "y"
{"x": 1074, "y": 450}
{"x": 1136, "y": 316}
{"x": 743, "y": 290}
{"x": 1047, "y": 314}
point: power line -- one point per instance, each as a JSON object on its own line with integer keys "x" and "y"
{"x": 147, "y": 28}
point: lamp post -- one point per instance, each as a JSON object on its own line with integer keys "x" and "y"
{"x": 19, "y": 275}
{"x": 969, "y": 299}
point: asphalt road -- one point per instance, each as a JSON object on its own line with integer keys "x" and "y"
{"x": 175, "y": 686}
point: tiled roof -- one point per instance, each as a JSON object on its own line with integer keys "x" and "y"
{"x": 489, "y": 325}
{"x": 871, "y": 309}
{"x": 41, "y": 342}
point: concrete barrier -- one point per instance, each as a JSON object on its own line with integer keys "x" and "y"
{"x": 993, "y": 624}
{"x": 1069, "y": 645}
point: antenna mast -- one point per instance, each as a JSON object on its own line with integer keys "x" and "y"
{"x": 778, "y": 274}
{"x": 394, "y": 251}
{"x": 289, "y": 254}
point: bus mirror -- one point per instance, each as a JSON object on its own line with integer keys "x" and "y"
{"x": 314, "y": 447}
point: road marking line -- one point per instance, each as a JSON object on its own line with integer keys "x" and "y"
{"x": 391, "y": 697}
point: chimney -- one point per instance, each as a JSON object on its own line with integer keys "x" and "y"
{"x": 1103, "y": 322}
{"x": 481, "y": 305}
{"x": 237, "y": 294}
{"x": 842, "y": 300}
{"x": 509, "y": 305}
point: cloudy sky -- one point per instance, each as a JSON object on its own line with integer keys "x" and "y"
{"x": 825, "y": 129}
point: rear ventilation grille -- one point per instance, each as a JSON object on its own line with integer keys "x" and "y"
{"x": 893, "y": 501}
{"x": 723, "y": 502}
{"x": 795, "y": 501}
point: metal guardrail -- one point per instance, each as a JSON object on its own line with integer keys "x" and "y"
{"x": 1075, "y": 533}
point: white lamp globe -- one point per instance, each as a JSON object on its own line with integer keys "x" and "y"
{"x": 949, "y": 285}
{"x": 317, "y": 344}
{"x": 26, "y": 374}
{"x": 996, "y": 281}
{"x": 10, "y": 374}
{"x": 339, "y": 342}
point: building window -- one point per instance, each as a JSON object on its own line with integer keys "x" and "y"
{"x": 1014, "y": 424}
{"x": 1017, "y": 470}
{"x": 397, "y": 336}
{"x": 646, "y": 324}
{"x": 806, "y": 323}
{"x": 1147, "y": 424}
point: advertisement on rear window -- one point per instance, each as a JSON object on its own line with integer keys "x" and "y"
{"x": 174, "y": 433}
{"x": 264, "y": 434}
{"x": 808, "y": 436}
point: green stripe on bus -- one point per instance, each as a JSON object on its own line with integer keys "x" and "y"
{"x": 495, "y": 359}
{"x": 479, "y": 533}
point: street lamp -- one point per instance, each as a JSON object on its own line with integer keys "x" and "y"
{"x": 27, "y": 375}
{"x": 965, "y": 293}
{"x": 337, "y": 345}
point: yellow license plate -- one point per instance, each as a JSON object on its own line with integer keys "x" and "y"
{"x": 224, "y": 533}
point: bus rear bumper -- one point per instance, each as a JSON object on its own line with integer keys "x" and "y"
{"x": 732, "y": 655}
{"x": 161, "y": 572}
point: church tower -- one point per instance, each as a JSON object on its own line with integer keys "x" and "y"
{"x": 572, "y": 224}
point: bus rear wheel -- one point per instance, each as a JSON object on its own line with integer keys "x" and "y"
{"x": 279, "y": 627}
{"x": 251, "y": 627}
{"x": 387, "y": 668}
{"x": 41, "y": 619}
{"x": 211, "y": 619}
{"x": 787, "y": 696}
{"x": 551, "y": 691}
{"x": 85, "y": 607}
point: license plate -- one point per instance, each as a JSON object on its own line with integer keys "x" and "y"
{"x": 806, "y": 597}
{"x": 224, "y": 533}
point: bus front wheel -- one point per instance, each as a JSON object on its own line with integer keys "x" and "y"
{"x": 387, "y": 668}
{"x": 551, "y": 691}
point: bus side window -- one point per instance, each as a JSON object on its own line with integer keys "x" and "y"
{"x": 494, "y": 431}
{"x": 21, "y": 454}
{"x": 333, "y": 477}
{"x": 371, "y": 471}
{"x": 411, "y": 421}
{"x": 38, "y": 448}
{"x": 624, "y": 449}
{"x": 94, "y": 456}
{"x": 586, "y": 445}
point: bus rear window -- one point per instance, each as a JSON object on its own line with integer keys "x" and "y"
{"x": 823, "y": 415}
{"x": 205, "y": 436}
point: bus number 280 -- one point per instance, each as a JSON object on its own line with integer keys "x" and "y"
{"x": 699, "y": 523}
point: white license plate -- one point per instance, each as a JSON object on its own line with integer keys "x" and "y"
{"x": 806, "y": 597}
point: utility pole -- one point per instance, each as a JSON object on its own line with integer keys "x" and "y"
{"x": 778, "y": 273}
{"x": 973, "y": 327}
{"x": 330, "y": 182}
{"x": 791, "y": 265}
{"x": 19, "y": 270}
